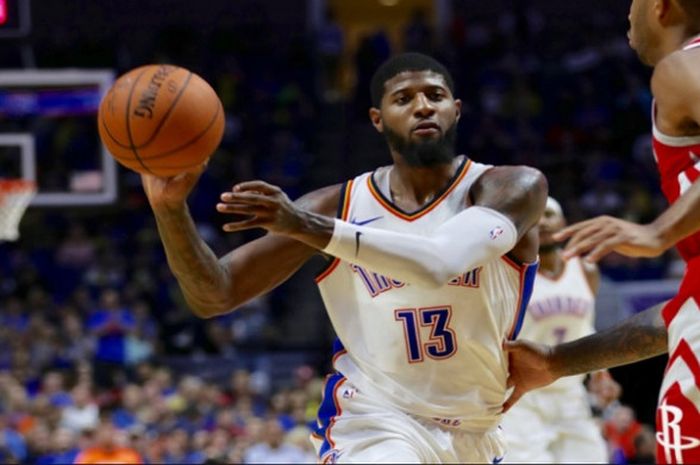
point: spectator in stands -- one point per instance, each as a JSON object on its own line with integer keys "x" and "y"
{"x": 83, "y": 413}
{"x": 622, "y": 429}
{"x": 106, "y": 449}
{"x": 273, "y": 449}
{"x": 111, "y": 323}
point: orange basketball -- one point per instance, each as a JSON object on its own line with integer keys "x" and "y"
{"x": 161, "y": 119}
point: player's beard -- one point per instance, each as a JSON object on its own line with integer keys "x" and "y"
{"x": 426, "y": 153}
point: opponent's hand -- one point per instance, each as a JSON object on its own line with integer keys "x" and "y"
{"x": 599, "y": 236}
{"x": 529, "y": 368}
{"x": 265, "y": 206}
{"x": 170, "y": 192}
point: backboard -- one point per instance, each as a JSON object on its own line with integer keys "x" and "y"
{"x": 48, "y": 134}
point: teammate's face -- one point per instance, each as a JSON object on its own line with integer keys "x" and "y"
{"x": 550, "y": 222}
{"x": 642, "y": 36}
{"x": 418, "y": 117}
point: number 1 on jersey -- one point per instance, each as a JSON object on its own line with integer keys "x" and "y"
{"x": 441, "y": 343}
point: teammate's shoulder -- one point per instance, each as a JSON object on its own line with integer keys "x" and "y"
{"x": 324, "y": 200}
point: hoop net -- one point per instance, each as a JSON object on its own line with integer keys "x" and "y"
{"x": 15, "y": 195}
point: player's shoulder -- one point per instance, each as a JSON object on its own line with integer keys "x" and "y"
{"x": 515, "y": 177}
{"x": 676, "y": 72}
{"x": 324, "y": 200}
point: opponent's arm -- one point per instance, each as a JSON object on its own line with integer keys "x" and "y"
{"x": 535, "y": 365}
{"x": 214, "y": 286}
{"x": 508, "y": 201}
{"x": 676, "y": 109}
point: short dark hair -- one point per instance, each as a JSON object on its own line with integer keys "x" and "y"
{"x": 405, "y": 62}
{"x": 692, "y": 10}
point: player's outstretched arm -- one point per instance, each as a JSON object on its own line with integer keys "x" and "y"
{"x": 214, "y": 286}
{"x": 508, "y": 204}
{"x": 535, "y": 365}
{"x": 599, "y": 236}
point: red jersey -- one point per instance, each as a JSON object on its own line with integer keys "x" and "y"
{"x": 678, "y": 160}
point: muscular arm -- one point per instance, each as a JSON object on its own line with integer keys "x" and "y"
{"x": 508, "y": 202}
{"x": 640, "y": 337}
{"x": 532, "y": 366}
{"x": 214, "y": 286}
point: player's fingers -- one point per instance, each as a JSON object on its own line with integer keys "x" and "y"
{"x": 514, "y": 397}
{"x": 243, "y": 225}
{"x": 259, "y": 186}
{"x": 241, "y": 209}
{"x": 252, "y": 198}
{"x": 570, "y": 230}
{"x": 585, "y": 241}
{"x": 603, "y": 248}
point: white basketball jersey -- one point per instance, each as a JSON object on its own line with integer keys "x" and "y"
{"x": 434, "y": 353}
{"x": 560, "y": 310}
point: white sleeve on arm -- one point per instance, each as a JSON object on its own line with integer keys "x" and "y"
{"x": 470, "y": 239}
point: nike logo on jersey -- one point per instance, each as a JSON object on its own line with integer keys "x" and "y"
{"x": 364, "y": 222}
{"x": 497, "y": 460}
{"x": 357, "y": 242}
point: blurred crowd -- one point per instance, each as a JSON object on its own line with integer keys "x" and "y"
{"x": 155, "y": 418}
{"x": 89, "y": 312}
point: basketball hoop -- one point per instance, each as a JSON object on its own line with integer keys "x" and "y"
{"x": 15, "y": 195}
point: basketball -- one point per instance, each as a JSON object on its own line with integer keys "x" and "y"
{"x": 161, "y": 119}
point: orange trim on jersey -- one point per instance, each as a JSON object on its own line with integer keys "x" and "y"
{"x": 338, "y": 410}
{"x": 346, "y": 202}
{"x": 337, "y": 355}
{"x": 422, "y": 212}
{"x": 516, "y": 266}
{"x": 344, "y": 212}
{"x": 334, "y": 264}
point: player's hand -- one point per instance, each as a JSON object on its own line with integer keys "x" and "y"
{"x": 170, "y": 192}
{"x": 600, "y": 236}
{"x": 264, "y": 206}
{"x": 529, "y": 368}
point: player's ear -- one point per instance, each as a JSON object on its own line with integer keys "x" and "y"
{"x": 458, "y": 108}
{"x": 375, "y": 115}
{"x": 662, "y": 8}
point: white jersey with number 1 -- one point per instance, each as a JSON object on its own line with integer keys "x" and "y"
{"x": 434, "y": 354}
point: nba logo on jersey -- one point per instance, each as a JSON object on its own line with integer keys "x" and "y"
{"x": 495, "y": 232}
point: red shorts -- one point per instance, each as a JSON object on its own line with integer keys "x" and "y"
{"x": 678, "y": 413}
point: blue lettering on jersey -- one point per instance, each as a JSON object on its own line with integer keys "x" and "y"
{"x": 376, "y": 283}
{"x": 468, "y": 279}
{"x": 554, "y": 306}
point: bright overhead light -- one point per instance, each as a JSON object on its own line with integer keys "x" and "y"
{"x": 389, "y": 2}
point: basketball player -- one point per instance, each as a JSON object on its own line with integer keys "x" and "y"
{"x": 434, "y": 259}
{"x": 666, "y": 35}
{"x": 554, "y": 424}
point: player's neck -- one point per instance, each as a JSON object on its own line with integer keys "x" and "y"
{"x": 551, "y": 263}
{"x": 420, "y": 184}
{"x": 675, "y": 39}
